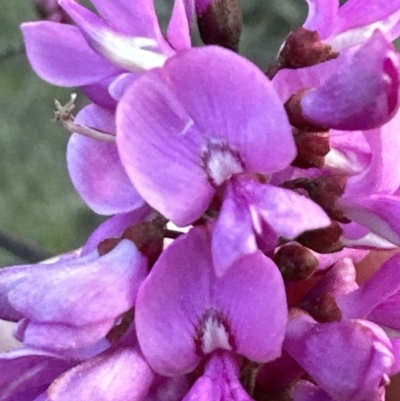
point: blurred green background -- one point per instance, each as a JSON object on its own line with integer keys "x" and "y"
{"x": 37, "y": 200}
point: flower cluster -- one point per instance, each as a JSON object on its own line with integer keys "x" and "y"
{"x": 283, "y": 181}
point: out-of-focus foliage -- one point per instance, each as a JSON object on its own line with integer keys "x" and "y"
{"x": 37, "y": 199}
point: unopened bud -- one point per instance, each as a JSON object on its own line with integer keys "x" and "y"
{"x": 325, "y": 191}
{"x": 303, "y": 48}
{"x": 312, "y": 147}
{"x": 50, "y": 10}
{"x": 324, "y": 309}
{"x": 295, "y": 113}
{"x": 295, "y": 262}
{"x": 323, "y": 240}
{"x": 148, "y": 237}
{"x": 220, "y": 22}
{"x": 107, "y": 245}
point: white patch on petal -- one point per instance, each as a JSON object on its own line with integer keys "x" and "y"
{"x": 220, "y": 162}
{"x": 360, "y": 35}
{"x": 133, "y": 53}
{"x": 215, "y": 336}
{"x": 187, "y": 127}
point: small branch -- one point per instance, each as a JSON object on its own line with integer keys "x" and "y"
{"x": 172, "y": 234}
{"x": 22, "y": 249}
{"x": 64, "y": 114}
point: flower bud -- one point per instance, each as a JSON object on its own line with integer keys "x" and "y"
{"x": 323, "y": 240}
{"x": 312, "y": 147}
{"x": 220, "y": 22}
{"x": 295, "y": 262}
{"x": 50, "y": 10}
{"x": 303, "y": 48}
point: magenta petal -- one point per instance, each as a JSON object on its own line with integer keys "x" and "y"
{"x": 379, "y": 177}
{"x": 233, "y": 234}
{"x": 25, "y": 369}
{"x": 377, "y": 212}
{"x": 363, "y": 94}
{"x": 322, "y": 15}
{"x": 359, "y": 13}
{"x": 9, "y": 277}
{"x": 127, "y": 51}
{"x": 252, "y": 289}
{"x": 377, "y": 299}
{"x": 98, "y": 93}
{"x": 288, "y": 213}
{"x": 59, "y": 337}
{"x": 96, "y": 169}
{"x": 350, "y": 360}
{"x": 60, "y": 55}
{"x": 220, "y": 381}
{"x": 183, "y": 310}
{"x": 180, "y": 26}
{"x": 60, "y": 294}
{"x": 116, "y": 375}
{"x": 168, "y": 388}
{"x": 133, "y": 17}
{"x": 289, "y": 81}
{"x": 197, "y": 102}
{"x": 118, "y": 85}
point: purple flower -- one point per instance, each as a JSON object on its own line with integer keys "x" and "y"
{"x": 259, "y": 298}
{"x": 185, "y": 312}
{"x": 73, "y": 303}
{"x": 354, "y": 22}
{"x": 104, "y": 51}
{"x": 356, "y": 91}
{"x": 349, "y": 360}
{"x": 204, "y": 138}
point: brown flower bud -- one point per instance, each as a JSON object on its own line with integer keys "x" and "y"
{"x": 312, "y": 147}
{"x": 325, "y": 191}
{"x": 220, "y": 22}
{"x": 323, "y": 240}
{"x": 303, "y": 48}
{"x": 295, "y": 262}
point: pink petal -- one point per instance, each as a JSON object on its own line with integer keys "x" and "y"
{"x": 363, "y": 94}
{"x": 60, "y": 337}
{"x": 322, "y": 15}
{"x": 127, "y": 51}
{"x": 180, "y": 25}
{"x": 96, "y": 169}
{"x": 350, "y": 360}
{"x": 59, "y": 294}
{"x": 116, "y": 375}
{"x": 180, "y": 298}
{"x": 60, "y": 55}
